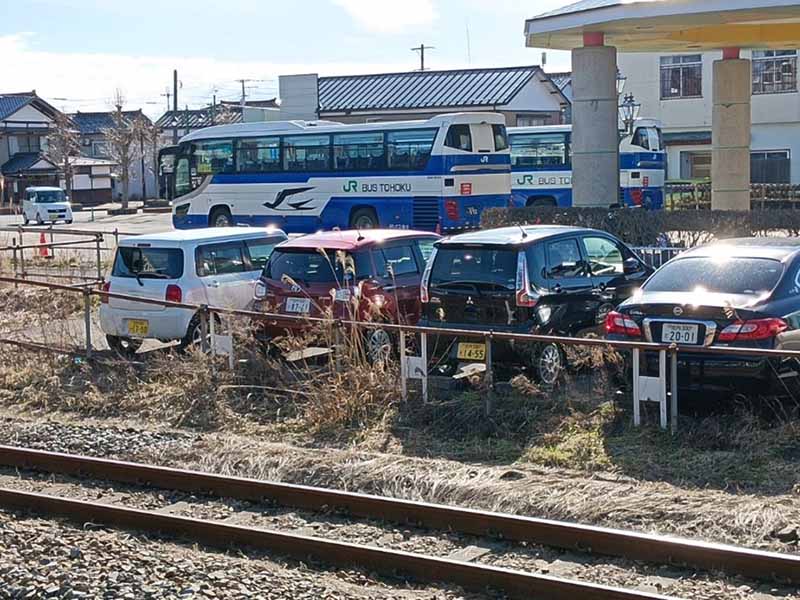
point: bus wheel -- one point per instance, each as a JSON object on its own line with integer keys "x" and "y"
{"x": 220, "y": 217}
{"x": 363, "y": 218}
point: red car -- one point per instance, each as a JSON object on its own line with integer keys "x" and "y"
{"x": 372, "y": 275}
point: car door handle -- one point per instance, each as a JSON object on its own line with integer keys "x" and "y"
{"x": 557, "y": 288}
{"x": 214, "y": 284}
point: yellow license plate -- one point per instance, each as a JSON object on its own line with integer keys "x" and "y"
{"x": 471, "y": 351}
{"x": 138, "y": 327}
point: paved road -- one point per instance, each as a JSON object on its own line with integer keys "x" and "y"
{"x": 138, "y": 223}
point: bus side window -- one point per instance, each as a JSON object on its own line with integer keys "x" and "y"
{"x": 641, "y": 139}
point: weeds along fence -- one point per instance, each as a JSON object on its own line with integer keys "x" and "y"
{"x": 416, "y": 367}
{"x": 697, "y": 196}
{"x": 84, "y": 255}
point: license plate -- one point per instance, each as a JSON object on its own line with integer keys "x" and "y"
{"x": 679, "y": 333}
{"x": 471, "y": 351}
{"x": 298, "y": 305}
{"x": 343, "y": 295}
{"x": 138, "y": 327}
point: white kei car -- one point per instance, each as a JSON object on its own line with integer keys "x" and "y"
{"x": 215, "y": 267}
{"x": 45, "y": 204}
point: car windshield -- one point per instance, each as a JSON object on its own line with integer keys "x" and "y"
{"x": 316, "y": 266}
{"x": 49, "y": 196}
{"x": 748, "y": 276}
{"x": 474, "y": 267}
{"x": 152, "y": 263}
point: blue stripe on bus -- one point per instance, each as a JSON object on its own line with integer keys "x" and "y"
{"x": 393, "y": 212}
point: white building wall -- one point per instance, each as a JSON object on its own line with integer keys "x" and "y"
{"x": 299, "y": 97}
{"x": 775, "y": 117}
{"x": 535, "y": 96}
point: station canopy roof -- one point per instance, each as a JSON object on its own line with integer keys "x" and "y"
{"x": 670, "y": 25}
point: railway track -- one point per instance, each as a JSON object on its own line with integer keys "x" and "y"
{"x": 477, "y": 576}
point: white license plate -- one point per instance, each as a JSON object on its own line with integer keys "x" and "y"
{"x": 679, "y": 333}
{"x": 298, "y": 305}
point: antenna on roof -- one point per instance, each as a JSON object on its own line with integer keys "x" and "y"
{"x": 522, "y": 229}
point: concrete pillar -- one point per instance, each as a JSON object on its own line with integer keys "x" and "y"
{"x": 730, "y": 133}
{"x": 595, "y": 137}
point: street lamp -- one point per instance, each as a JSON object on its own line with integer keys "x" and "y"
{"x": 629, "y": 112}
{"x": 621, "y": 79}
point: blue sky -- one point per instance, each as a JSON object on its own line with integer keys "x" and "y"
{"x": 77, "y": 52}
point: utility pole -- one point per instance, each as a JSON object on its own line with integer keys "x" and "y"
{"x": 421, "y": 49}
{"x": 141, "y": 167}
{"x": 175, "y": 106}
{"x": 168, "y": 94}
{"x": 214, "y": 110}
{"x": 244, "y": 91}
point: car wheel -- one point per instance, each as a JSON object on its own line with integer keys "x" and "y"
{"x": 194, "y": 335}
{"x": 378, "y": 345}
{"x": 364, "y": 218}
{"x": 39, "y": 220}
{"x": 548, "y": 364}
{"x": 25, "y": 220}
{"x": 220, "y": 217}
{"x": 122, "y": 345}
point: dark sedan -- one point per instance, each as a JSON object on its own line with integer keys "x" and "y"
{"x": 738, "y": 292}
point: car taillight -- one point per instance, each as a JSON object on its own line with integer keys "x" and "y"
{"x": 617, "y": 323}
{"x": 451, "y": 209}
{"x": 755, "y": 329}
{"x": 174, "y": 293}
{"x": 636, "y": 196}
{"x": 260, "y": 291}
{"x": 106, "y": 287}
{"x": 523, "y": 287}
{"x": 424, "y": 296}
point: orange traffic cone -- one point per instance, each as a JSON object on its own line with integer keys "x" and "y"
{"x": 44, "y": 251}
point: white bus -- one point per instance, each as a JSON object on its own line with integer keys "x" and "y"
{"x": 301, "y": 176}
{"x": 541, "y": 162}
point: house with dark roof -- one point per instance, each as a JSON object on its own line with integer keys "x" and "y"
{"x": 92, "y": 128}
{"x": 179, "y": 123}
{"x": 25, "y": 122}
{"x": 525, "y": 95}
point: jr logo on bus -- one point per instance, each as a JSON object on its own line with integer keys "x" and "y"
{"x": 551, "y": 180}
{"x": 350, "y": 186}
{"x": 375, "y": 188}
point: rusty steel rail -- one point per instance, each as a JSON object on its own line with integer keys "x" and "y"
{"x": 756, "y": 564}
{"x": 476, "y": 577}
{"x": 446, "y": 331}
{"x": 65, "y": 231}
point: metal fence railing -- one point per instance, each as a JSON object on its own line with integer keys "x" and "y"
{"x": 655, "y": 256}
{"x": 209, "y": 315}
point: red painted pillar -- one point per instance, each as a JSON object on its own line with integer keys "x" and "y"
{"x": 593, "y": 38}
{"x": 730, "y": 53}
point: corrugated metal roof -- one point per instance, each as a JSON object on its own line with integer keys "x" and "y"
{"x": 11, "y": 103}
{"x": 560, "y": 79}
{"x": 423, "y": 89}
{"x": 23, "y": 161}
{"x": 96, "y": 122}
{"x": 581, "y": 6}
{"x": 197, "y": 118}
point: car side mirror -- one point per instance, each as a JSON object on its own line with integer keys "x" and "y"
{"x": 631, "y": 266}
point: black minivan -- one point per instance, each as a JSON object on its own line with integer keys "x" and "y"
{"x": 544, "y": 279}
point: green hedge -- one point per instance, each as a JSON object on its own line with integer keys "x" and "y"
{"x": 646, "y": 228}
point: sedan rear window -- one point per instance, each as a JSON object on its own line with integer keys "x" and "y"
{"x": 152, "y": 263}
{"x": 749, "y": 276}
{"x": 315, "y": 266}
{"x": 474, "y": 267}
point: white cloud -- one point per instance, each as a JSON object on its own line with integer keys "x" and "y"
{"x": 87, "y": 80}
{"x": 390, "y": 16}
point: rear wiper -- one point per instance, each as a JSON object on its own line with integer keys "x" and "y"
{"x": 150, "y": 275}
{"x": 457, "y": 283}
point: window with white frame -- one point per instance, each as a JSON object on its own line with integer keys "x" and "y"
{"x": 770, "y": 166}
{"x": 774, "y": 71}
{"x": 681, "y": 76}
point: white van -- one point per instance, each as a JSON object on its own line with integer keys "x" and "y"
{"x": 44, "y": 204}
{"x": 216, "y": 267}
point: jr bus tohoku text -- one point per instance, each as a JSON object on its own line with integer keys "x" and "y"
{"x": 437, "y": 175}
{"x": 541, "y": 163}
